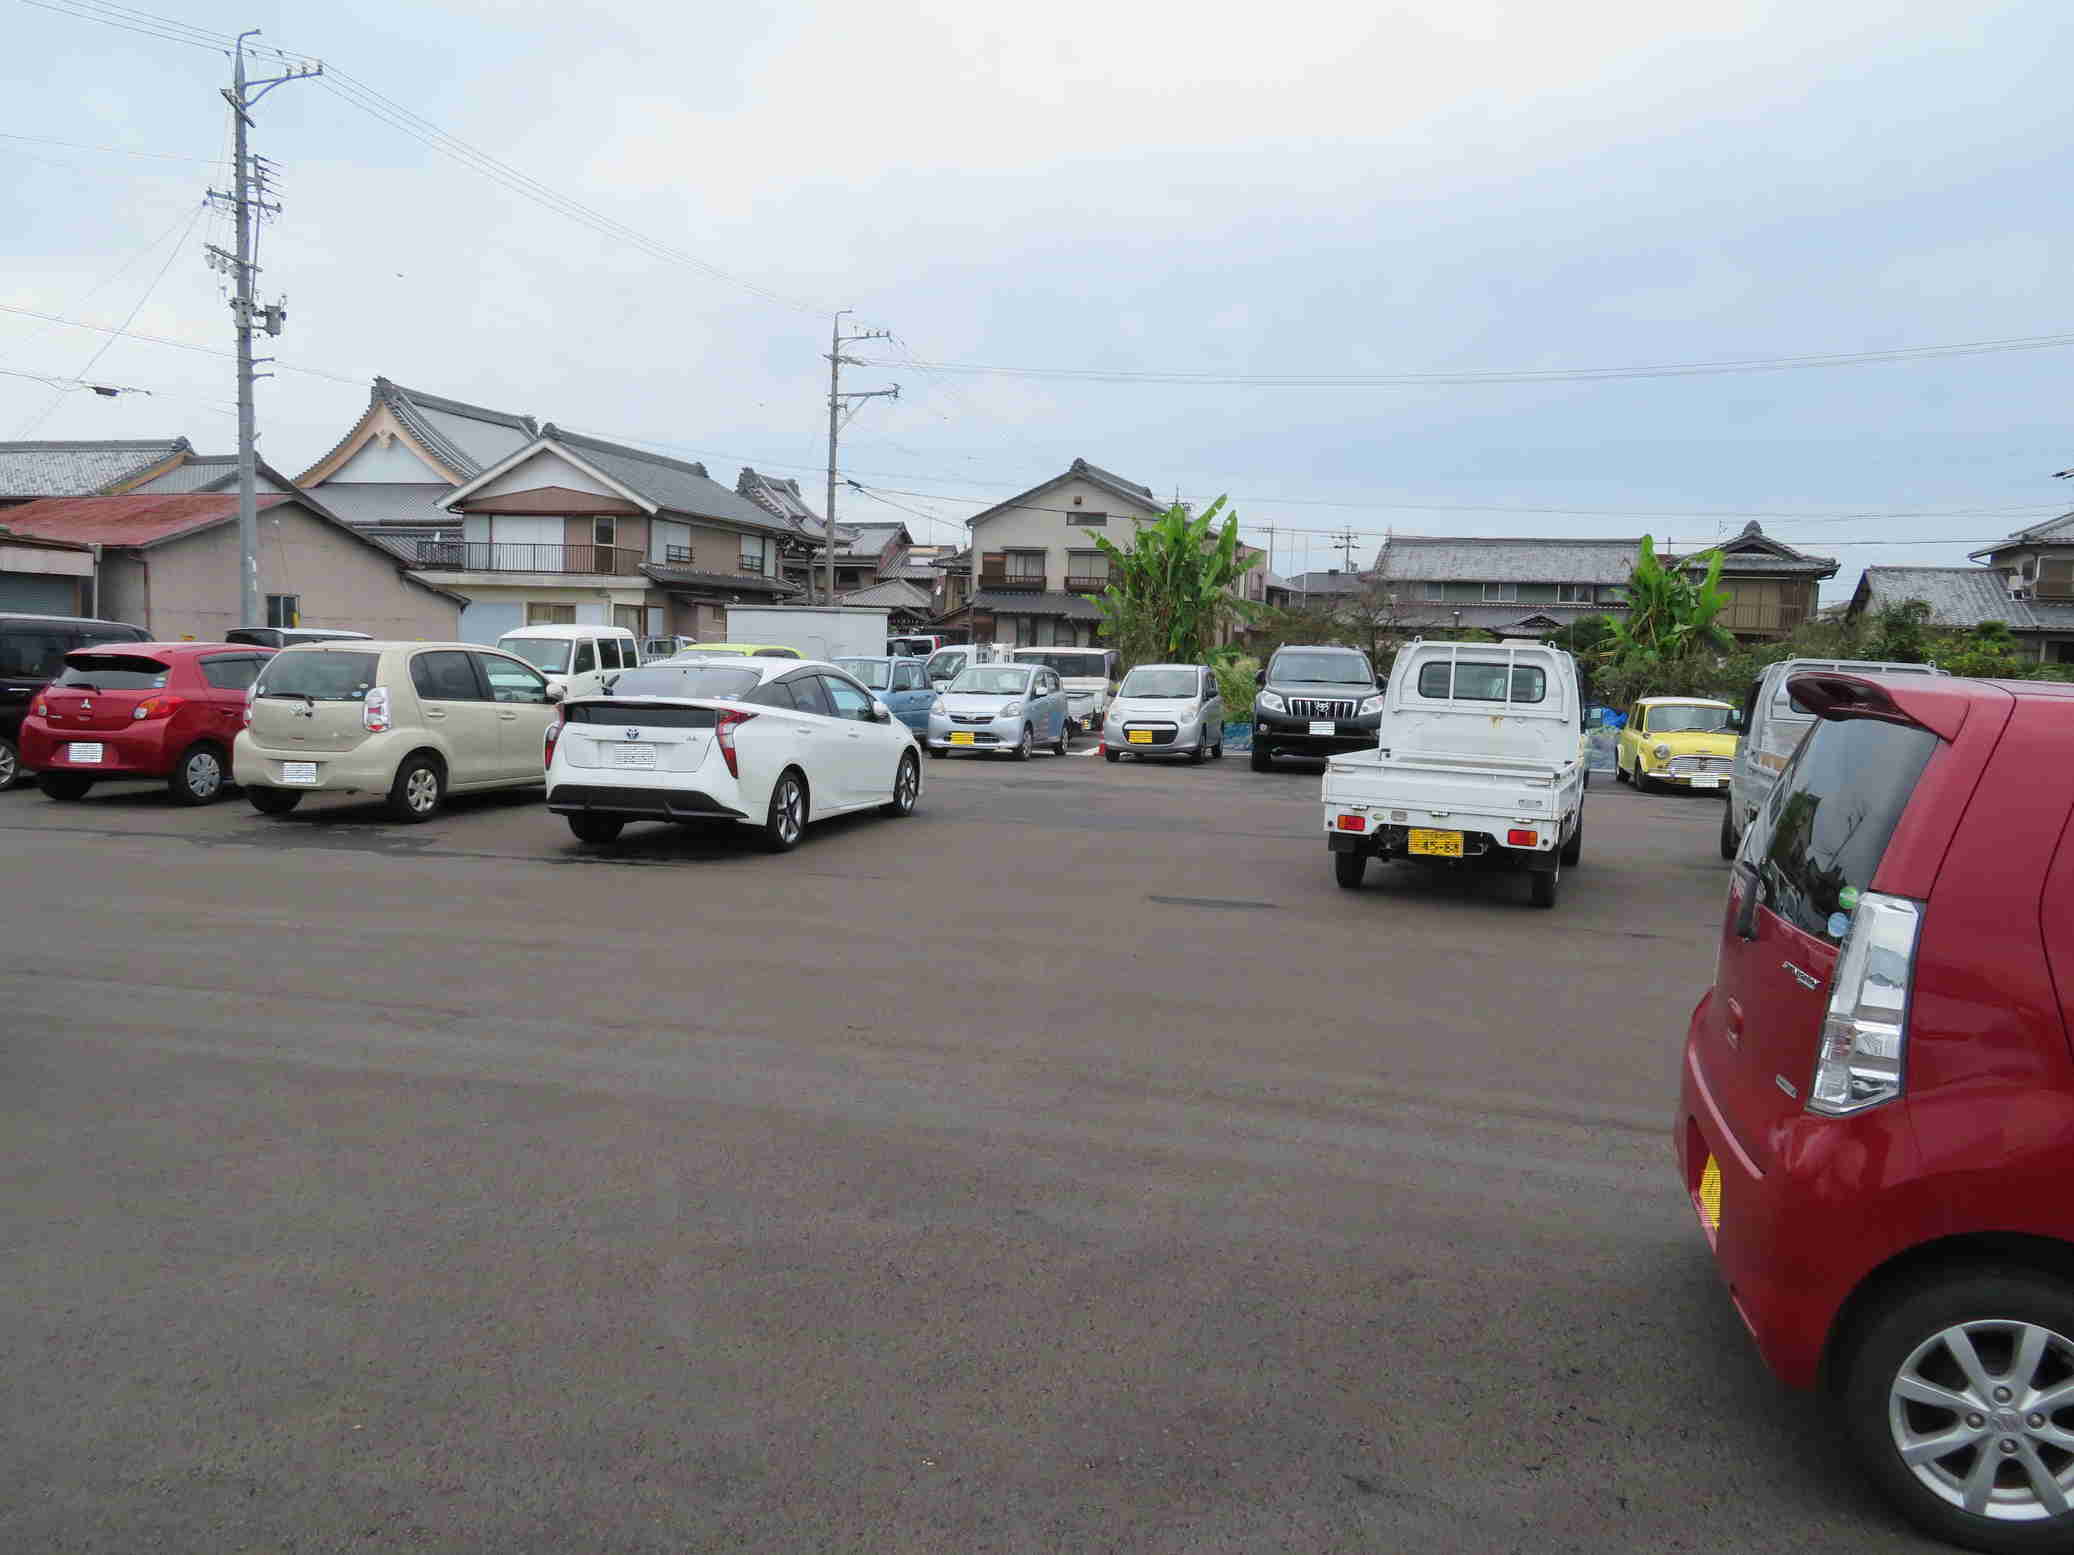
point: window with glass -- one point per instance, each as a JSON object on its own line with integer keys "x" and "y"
{"x": 875, "y": 673}
{"x": 907, "y": 676}
{"x": 1831, "y": 815}
{"x": 1159, "y": 684}
{"x": 325, "y": 675}
{"x": 1573, "y": 593}
{"x": 608, "y": 653}
{"x": 808, "y": 693}
{"x": 1466, "y": 680}
{"x": 511, "y": 681}
{"x": 113, "y": 672}
{"x": 231, "y": 672}
{"x": 445, "y": 676}
{"x": 755, "y": 554}
{"x": 1320, "y": 665}
{"x": 284, "y": 610}
{"x": 585, "y": 659}
{"x": 850, "y": 700}
{"x": 543, "y": 653}
{"x": 719, "y": 681}
{"x": 1689, "y": 718}
{"x": 1432, "y": 592}
{"x": 993, "y": 680}
{"x": 1023, "y": 564}
{"x": 550, "y": 615}
{"x": 1501, "y": 593}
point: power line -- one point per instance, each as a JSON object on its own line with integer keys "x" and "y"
{"x": 73, "y": 145}
{"x": 178, "y": 345}
{"x": 134, "y": 21}
{"x": 1518, "y": 375}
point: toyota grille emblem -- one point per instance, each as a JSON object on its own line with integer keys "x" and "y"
{"x": 633, "y": 734}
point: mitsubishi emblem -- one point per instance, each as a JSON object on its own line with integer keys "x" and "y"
{"x": 86, "y": 704}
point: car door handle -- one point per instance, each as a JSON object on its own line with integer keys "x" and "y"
{"x": 509, "y": 717}
{"x": 435, "y": 712}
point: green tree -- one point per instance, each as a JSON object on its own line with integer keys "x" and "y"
{"x": 1170, "y": 596}
{"x": 1669, "y": 616}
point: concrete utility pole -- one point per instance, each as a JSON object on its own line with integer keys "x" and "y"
{"x": 836, "y": 363}
{"x": 1344, "y": 542}
{"x": 248, "y": 201}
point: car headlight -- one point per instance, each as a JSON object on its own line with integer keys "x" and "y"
{"x": 937, "y": 706}
{"x": 1271, "y": 702}
{"x": 1372, "y": 705}
{"x": 1010, "y": 711}
{"x": 1663, "y": 753}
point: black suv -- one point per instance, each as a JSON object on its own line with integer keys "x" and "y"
{"x": 32, "y": 651}
{"x": 1315, "y": 702}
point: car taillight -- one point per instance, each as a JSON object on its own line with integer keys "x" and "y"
{"x": 40, "y": 708}
{"x": 374, "y": 711}
{"x": 1353, "y": 823}
{"x": 724, "y": 731}
{"x": 554, "y": 732}
{"x": 1865, "y": 1029}
{"x": 1521, "y": 839}
{"x": 157, "y": 707}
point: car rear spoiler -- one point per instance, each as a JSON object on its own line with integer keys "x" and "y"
{"x": 1932, "y": 704}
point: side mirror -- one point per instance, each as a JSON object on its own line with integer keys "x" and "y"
{"x": 556, "y": 693}
{"x": 1260, "y": 677}
{"x": 880, "y": 713}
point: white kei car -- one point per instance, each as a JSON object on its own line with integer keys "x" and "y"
{"x": 768, "y": 743}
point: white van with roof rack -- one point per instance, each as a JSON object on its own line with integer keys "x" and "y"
{"x": 576, "y": 658}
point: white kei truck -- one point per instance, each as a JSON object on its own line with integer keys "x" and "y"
{"x": 1478, "y": 764}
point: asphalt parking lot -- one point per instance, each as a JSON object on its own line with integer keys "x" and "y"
{"x": 1069, "y": 1167}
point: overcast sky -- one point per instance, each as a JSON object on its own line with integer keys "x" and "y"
{"x": 1437, "y": 186}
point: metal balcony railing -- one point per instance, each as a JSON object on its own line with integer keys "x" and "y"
{"x": 1031, "y": 582}
{"x": 617, "y": 561}
{"x": 1089, "y": 584}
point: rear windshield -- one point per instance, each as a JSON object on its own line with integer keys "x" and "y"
{"x": 323, "y": 675}
{"x": 1340, "y": 668}
{"x": 543, "y": 653}
{"x": 875, "y": 673}
{"x": 636, "y": 715}
{"x": 1481, "y": 682}
{"x": 113, "y": 672}
{"x": 994, "y": 680}
{"x": 1081, "y": 664}
{"x": 688, "y": 680}
{"x": 710, "y": 652}
{"x": 1829, "y": 818}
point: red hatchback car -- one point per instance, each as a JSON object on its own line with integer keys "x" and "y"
{"x": 142, "y": 710}
{"x": 1877, "y": 1120}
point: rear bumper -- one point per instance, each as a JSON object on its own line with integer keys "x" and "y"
{"x": 658, "y": 804}
{"x": 142, "y": 750}
{"x": 1803, "y": 1219}
{"x": 369, "y": 768}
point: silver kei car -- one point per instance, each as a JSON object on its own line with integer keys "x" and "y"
{"x": 1165, "y": 710}
{"x": 1007, "y": 708}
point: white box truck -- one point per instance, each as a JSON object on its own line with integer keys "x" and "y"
{"x": 816, "y": 631}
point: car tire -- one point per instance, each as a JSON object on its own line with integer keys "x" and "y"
{"x": 1112, "y": 757}
{"x": 1573, "y": 850}
{"x": 1349, "y": 869}
{"x": 1200, "y": 754}
{"x": 1065, "y": 732}
{"x": 10, "y": 765}
{"x": 66, "y": 786}
{"x": 200, "y": 776}
{"x": 1998, "y": 1310}
{"x": 418, "y": 791}
{"x": 596, "y": 828}
{"x": 1620, "y": 773}
{"x": 1217, "y": 750}
{"x": 1262, "y": 761}
{"x": 786, "y": 820}
{"x": 1542, "y": 884}
{"x": 1729, "y": 839}
{"x": 273, "y": 801}
{"x": 907, "y": 788}
{"x": 1023, "y": 746}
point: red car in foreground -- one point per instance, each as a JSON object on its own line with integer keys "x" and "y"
{"x": 142, "y": 710}
{"x": 1877, "y": 1120}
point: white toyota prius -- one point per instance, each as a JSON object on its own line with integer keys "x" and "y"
{"x": 768, "y": 743}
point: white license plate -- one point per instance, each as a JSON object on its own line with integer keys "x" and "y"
{"x": 78, "y": 751}
{"x": 1706, "y": 782}
{"x": 633, "y": 755}
{"x": 298, "y": 772}
{"x": 1324, "y": 728}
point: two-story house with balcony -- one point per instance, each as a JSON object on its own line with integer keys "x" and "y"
{"x": 1033, "y": 559}
{"x": 1531, "y": 587}
{"x": 570, "y": 528}
{"x": 2027, "y": 583}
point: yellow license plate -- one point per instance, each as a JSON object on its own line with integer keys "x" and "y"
{"x": 1436, "y": 844}
{"x": 1140, "y": 736}
{"x": 961, "y": 739}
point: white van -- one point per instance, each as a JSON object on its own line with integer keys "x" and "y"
{"x": 576, "y": 658}
{"x": 1773, "y": 724}
{"x": 1090, "y": 677}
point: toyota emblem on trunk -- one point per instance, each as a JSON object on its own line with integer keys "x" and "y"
{"x": 633, "y": 734}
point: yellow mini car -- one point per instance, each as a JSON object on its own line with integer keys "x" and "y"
{"x": 723, "y": 650}
{"x": 1677, "y": 742}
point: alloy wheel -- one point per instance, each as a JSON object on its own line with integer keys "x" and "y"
{"x": 10, "y": 769}
{"x": 204, "y": 774}
{"x": 908, "y": 785}
{"x": 789, "y": 808}
{"x": 422, "y": 792}
{"x": 1976, "y": 1414}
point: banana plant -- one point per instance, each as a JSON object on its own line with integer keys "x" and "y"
{"x": 1169, "y": 597}
{"x": 1669, "y": 616}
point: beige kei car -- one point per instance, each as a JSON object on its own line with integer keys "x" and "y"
{"x": 412, "y": 722}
